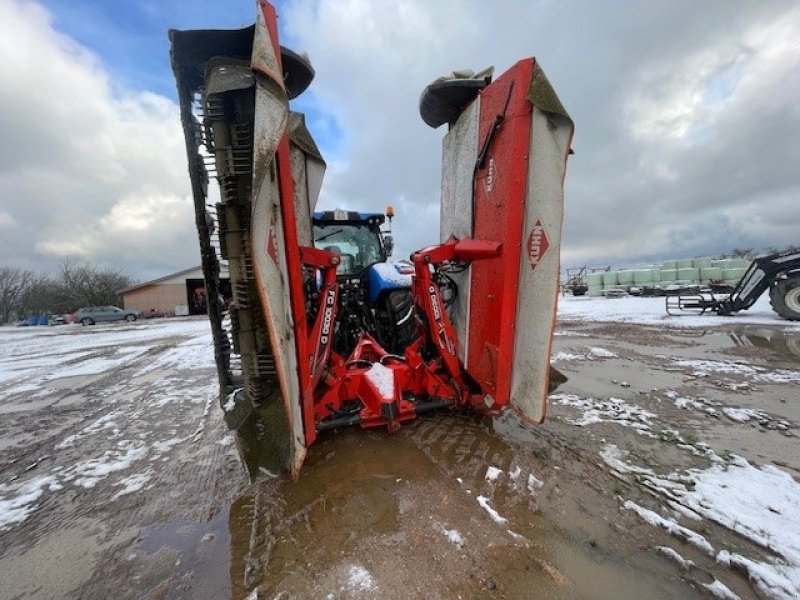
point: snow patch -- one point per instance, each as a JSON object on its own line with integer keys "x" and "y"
{"x": 720, "y": 591}
{"x": 533, "y": 483}
{"x": 675, "y": 557}
{"x": 671, "y": 527}
{"x": 17, "y": 508}
{"x": 760, "y": 504}
{"x": 230, "y": 401}
{"x": 613, "y": 410}
{"x": 89, "y": 473}
{"x": 454, "y": 537}
{"x": 133, "y": 483}
{"x": 382, "y": 378}
{"x": 358, "y": 578}
{"x": 601, "y": 353}
{"x": 484, "y": 502}
{"x": 773, "y": 581}
{"x": 702, "y": 368}
{"x": 650, "y": 311}
{"x": 492, "y": 473}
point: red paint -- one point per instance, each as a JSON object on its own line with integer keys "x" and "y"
{"x": 499, "y": 212}
{"x": 272, "y": 244}
{"x": 292, "y": 250}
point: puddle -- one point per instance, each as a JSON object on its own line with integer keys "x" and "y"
{"x": 775, "y": 342}
{"x": 382, "y": 507}
{"x": 183, "y": 551}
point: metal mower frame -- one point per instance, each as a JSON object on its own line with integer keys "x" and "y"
{"x": 372, "y": 387}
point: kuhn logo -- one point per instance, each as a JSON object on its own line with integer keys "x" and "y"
{"x": 538, "y": 243}
{"x": 327, "y": 317}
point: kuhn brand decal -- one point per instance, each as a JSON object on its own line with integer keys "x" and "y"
{"x": 538, "y": 243}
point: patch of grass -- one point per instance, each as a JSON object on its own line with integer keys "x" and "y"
{"x": 618, "y": 489}
{"x": 690, "y": 439}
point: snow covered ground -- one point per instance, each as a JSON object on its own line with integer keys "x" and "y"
{"x": 44, "y": 371}
{"x": 744, "y": 403}
{"x": 651, "y": 311}
{"x": 698, "y": 430}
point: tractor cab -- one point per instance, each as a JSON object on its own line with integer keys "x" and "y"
{"x": 355, "y": 237}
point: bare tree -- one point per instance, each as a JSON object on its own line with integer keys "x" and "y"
{"x": 13, "y": 282}
{"x": 24, "y": 293}
{"x": 743, "y": 253}
{"x": 40, "y": 296}
{"x": 87, "y": 285}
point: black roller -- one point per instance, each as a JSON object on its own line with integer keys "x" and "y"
{"x": 297, "y": 72}
{"x": 443, "y": 101}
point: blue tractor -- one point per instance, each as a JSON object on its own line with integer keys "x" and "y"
{"x": 376, "y": 295}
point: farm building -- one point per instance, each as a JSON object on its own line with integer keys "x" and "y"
{"x": 181, "y": 293}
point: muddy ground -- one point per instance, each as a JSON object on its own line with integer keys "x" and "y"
{"x": 119, "y": 480}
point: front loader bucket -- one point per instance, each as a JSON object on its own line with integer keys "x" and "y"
{"x": 503, "y": 168}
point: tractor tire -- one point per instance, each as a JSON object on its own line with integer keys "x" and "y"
{"x": 784, "y": 295}
{"x": 399, "y": 306}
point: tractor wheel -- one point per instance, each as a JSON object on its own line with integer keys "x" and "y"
{"x": 400, "y": 309}
{"x": 785, "y": 298}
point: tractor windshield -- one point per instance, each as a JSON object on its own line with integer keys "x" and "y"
{"x": 358, "y": 244}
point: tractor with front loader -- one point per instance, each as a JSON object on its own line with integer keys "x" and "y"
{"x": 777, "y": 273}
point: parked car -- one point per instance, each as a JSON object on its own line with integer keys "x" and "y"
{"x": 90, "y": 315}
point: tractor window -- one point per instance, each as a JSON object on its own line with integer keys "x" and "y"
{"x": 358, "y": 245}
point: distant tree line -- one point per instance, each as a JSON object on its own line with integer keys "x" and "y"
{"x": 24, "y": 292}
{"x": 750, "y": 253}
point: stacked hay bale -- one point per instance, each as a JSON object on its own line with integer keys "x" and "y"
{"x": 684, "y": 272}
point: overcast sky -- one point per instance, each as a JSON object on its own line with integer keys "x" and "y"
{"x": 687, "y": 120}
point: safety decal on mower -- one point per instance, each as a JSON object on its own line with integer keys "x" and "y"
{"x": 538, "y": 244}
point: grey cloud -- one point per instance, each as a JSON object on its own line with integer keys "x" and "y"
{"x": 629, "y": 198}
{"x": 86, "y": 164}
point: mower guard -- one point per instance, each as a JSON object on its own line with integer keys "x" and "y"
{"x": 503, "y": 167}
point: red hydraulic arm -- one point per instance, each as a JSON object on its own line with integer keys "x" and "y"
{"x": 428, "y": 299}
{"x": 372, "y": 387}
